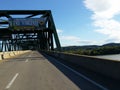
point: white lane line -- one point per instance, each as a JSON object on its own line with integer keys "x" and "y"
{"x": 11, "y": 82}
{"x": 26, "y": 60}
{"x": 81, "y": 75}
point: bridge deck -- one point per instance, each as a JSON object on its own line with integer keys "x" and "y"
{"x": 34, "y": 71}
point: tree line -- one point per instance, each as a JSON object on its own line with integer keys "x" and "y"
{"x": 103, "y": 50}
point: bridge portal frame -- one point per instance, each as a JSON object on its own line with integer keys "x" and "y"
{"x": 44, "y": 38}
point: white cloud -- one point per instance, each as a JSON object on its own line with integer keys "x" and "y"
{"x": 70, "y": 40}
{"x": 103, "y": 8}
{"x": 66, "y": 38}
{"x": 59, "y": 31}
{"x": 104, "y": 12}
{"x": 109, "y": 27}
{"x": 74, "y": 41}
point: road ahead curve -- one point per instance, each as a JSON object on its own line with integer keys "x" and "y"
{"x": 33, "y": 71}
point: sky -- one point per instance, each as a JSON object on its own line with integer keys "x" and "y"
{"x": 78, "y": 22}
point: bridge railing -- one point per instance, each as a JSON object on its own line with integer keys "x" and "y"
{"x": 109, "y": 68}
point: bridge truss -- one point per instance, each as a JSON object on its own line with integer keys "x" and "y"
{"x": 27, "y": 29}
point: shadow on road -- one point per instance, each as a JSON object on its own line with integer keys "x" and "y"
{"x": 76, "y": 79}
{"x": 111, "y": 84}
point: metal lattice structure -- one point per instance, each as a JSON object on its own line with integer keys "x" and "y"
{"x": 43, "y": 36}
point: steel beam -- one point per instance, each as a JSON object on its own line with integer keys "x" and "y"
{"x": 23, "y": 39}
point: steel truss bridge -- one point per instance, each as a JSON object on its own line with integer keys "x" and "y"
{"x": 44, "y": 37}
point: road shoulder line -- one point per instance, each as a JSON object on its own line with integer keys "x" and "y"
{"x": 12, "y": 81}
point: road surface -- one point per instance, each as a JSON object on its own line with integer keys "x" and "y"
{"x": 34, "y": 71}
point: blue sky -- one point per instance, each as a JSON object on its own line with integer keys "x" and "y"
{"x": 78, "y": 22}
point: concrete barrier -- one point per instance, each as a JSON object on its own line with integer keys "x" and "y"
{"x": 109, "y": 68}
{"x": 1, "y": 56}
{"x": 7, "y": 55}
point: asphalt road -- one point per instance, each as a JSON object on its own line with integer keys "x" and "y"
{"x": 33, "y": 71}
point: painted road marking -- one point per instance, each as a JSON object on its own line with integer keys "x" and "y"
{"x": 26, "y": 60}
{"x": 12, "y": 81}
{"x": 81, "y": 75}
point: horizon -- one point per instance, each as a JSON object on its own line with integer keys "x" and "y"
{"x": 90, "y": 45}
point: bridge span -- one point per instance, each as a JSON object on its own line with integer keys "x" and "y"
{"x": 34, "y": 70}
{"x": 38, "y": 71}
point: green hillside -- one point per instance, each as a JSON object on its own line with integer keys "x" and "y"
{"x": 110, "y": 48}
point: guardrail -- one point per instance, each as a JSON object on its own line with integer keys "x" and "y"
{"x": 109, "y": 68}
{"x": 6, "y": 55}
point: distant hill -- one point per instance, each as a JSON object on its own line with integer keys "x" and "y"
{"x": 112, "y": 44}
{"x": 88, "y": 47}
{"x": 79, "y": 47}
{"x": 110, "y": 48}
